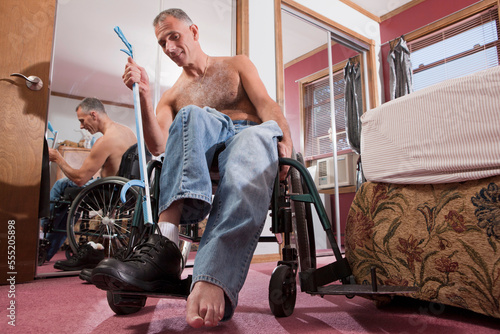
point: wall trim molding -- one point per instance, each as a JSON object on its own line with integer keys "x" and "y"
{"x": 80, "y": 98}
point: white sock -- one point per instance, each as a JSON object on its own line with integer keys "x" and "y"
{"x": 97, "y": 246}
{"x": 170, "y": 231}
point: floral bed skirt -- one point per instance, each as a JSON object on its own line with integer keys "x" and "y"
{"x": 442, "y": 238}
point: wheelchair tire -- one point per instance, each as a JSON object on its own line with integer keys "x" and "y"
{"x": 42, "y": 251}
{"x": 302, "y": 224}
{"x": 282, "y": 291}
{"x": 97, "y": 214}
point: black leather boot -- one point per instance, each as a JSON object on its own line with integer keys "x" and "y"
{"x": 87, "y": 257}
{"x": 153, "y": 264}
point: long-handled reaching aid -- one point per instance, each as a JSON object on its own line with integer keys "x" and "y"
{"x": 143, "y": 182}
{"x": 54, "y": 133}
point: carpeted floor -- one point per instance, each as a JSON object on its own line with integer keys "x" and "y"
{"x": 68, "y": 305}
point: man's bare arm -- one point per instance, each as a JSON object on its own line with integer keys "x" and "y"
{"x": 95, "y": 160}
{"x": 267, "y": 108}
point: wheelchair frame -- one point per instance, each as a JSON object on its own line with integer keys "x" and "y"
{"x": 282, "y": 286}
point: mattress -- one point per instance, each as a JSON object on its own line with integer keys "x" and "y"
{"x": 448, "y": 132}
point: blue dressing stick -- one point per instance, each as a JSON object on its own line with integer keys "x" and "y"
{"x": 143, "y": 182}
{"x": 54, "y": 133}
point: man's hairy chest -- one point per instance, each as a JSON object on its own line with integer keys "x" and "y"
{"x": 221, "y": 89}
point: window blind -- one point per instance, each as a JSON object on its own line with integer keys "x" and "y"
{"x": 463, "y": 48}
{"x": 317, "y": 110}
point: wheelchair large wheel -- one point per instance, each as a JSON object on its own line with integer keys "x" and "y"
{"x": 97, "y": 214}
{"x": 302, "y": 224}
{"x": 282, "y": 291}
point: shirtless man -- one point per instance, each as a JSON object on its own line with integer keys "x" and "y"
{"x": 105, "y": 154}
{"x": 218, "y": 103}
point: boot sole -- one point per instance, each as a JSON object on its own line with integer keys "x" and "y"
{"x": 110, "y": 279}
{"x": 65, "y": 268}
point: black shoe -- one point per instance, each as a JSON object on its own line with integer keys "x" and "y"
{"x": 86, "y": 275}
{"x": 87, "y": 257}
{"x": 154, "y": 264}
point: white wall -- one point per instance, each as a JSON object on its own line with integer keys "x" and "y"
{"x": 262, "y": 44}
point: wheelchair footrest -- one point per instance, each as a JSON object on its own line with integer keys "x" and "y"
{"x": 361, "y": 289}
{"x": 175, "y": 290}
{"x": 126, "y": 300}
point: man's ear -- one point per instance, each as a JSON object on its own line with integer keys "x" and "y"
{"x": 194, "y": 31}
{"x": 94, "y": 115}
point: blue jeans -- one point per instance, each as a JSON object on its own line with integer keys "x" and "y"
{"x": 248, "y": 166}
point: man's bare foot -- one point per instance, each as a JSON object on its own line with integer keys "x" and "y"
{"x": 205, "y": 305}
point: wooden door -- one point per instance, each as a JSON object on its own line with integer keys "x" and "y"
{"x": 27, "y": 29}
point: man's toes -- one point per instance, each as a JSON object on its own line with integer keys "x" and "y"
{"x": 195, "y": 321}
{"x": 211, "y": 319}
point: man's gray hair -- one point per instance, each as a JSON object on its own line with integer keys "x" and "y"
{"x": 178, "y": 13}
{"x": 91, "y": 103}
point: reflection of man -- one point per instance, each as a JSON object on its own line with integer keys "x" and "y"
{"x": 105, "y": 154}
{"x": 217, "y": 104}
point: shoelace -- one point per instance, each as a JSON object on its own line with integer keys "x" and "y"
{"x": 82, "y": 252}
{"x": 144, "y": 249}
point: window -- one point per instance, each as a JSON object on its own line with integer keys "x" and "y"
{"x": 462, "y": 48}
{"x": 317, "y": 117}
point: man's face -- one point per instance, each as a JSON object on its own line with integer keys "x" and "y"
{"x": 87, "y": 121}
{"x": 177, "y": 39}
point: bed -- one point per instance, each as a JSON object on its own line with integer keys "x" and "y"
{"x": 429, "y": 214}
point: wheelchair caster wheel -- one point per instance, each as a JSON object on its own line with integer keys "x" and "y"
{"x": 282, "y": 291}
{"x": 125, "y": 304}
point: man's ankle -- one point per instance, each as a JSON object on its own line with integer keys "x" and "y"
{"x": 170, "y": 231}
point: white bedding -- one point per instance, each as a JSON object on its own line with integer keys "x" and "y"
{"x": 445, "y": 133}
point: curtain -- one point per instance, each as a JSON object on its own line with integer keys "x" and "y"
{"x": 401, "y": 77}
{"x": 354, "y": 110}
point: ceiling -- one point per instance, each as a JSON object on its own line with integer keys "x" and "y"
{"x": 87, "y": 58}
{"x": 380, "y": 7}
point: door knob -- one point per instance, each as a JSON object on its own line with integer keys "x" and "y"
{"x": 32, "y": 82}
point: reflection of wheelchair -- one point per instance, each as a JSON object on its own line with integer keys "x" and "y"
{"x": 95, "y": 212}
{"x": 291, "y": 219}
{"x": 54, "y": 226}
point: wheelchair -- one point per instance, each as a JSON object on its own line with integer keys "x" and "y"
{"x": 96, "y": 213}
{"x": 291, "y": 214}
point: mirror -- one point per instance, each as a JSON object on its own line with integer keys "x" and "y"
{"x": 307, "y": 92}
{"x": 87, "y": 61}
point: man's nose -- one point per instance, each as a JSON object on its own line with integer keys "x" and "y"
{"x": 169, "y": 48}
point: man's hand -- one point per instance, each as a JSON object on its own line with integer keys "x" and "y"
{"x": 54, "y": 155}
{"x": 284, "y": 151}
{"x": 135, "y": 74}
